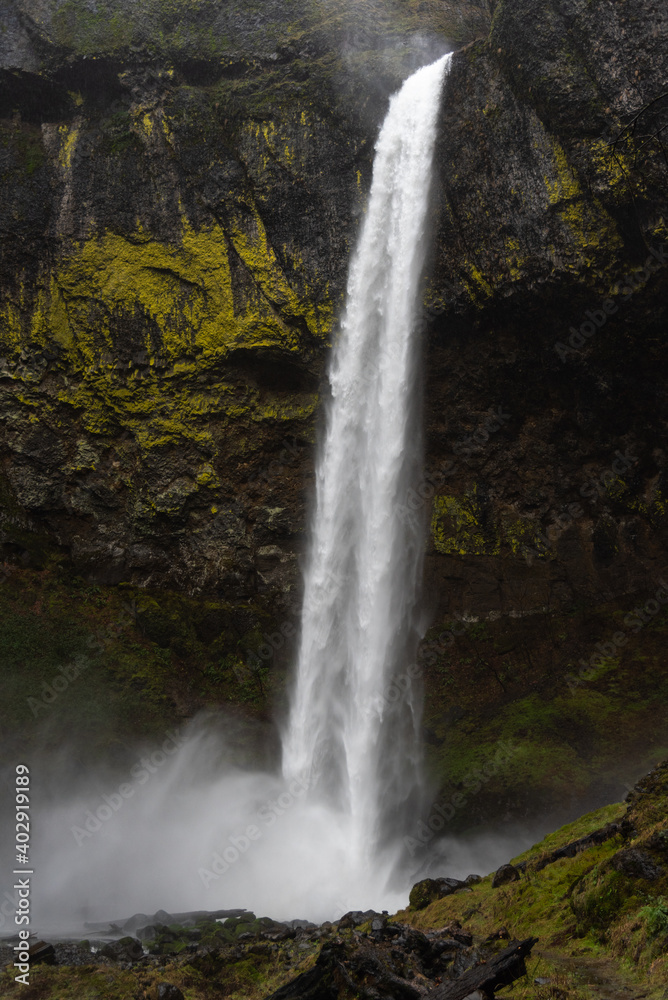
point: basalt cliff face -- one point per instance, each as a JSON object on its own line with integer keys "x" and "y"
{"x": 551, "y": 259}
{"x": 183, "y": 185}
{"x": 183, "y": 189}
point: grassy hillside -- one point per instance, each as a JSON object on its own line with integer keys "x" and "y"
{"x": 600, "y": 916}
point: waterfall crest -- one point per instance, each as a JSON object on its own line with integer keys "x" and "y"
{"x": 355, "y": 710}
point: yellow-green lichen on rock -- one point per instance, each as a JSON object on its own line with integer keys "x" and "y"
{"x": 522, "y": 536}
{"x": 457, "y": 529}
{"x": 255, "y": 251}
{"x": 186, "y": 313}
{"x": 653, "y": 506}
{"x": 182, "y": 294}
{"x": 185, "y": 291}
{"x": 478, "y": 286}
{"x": 615, "y": 165}
{"x": 515, "y": 258}
{"x": 50, "y": 319}
{"x": 161, "y": 409}
{"x": 590, "y": 228}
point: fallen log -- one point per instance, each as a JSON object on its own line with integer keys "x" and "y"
{"x": 576, "y": 846}
{"x": 323, "y": 982}
{"x": 500, "y": 971}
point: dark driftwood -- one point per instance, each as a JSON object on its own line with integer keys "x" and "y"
{"x": 365, "y": 973}
{"x": 322, "y": 982}
{"x": 330, "y": 979}
{"x": 500, "y": 971}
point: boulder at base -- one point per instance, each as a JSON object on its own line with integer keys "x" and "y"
{"x": 429, "y": 889}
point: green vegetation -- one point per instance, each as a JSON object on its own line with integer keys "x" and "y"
{"x": 73, "y": 663}
{"x": 517, "y": 684}
{"x": 27, "y": 145}
{"x": 106, "y": 668}
{"x": 606, "y": 905}
{"x": 598, "y": 918}
{"x": 576, "y": 830}
{"x": 75, "y": 24}
{"x": 118, "y": 133}
{"x": 505, "y": 730}
{"x": 656, "y": 918}
{"x": 215, "y": 30}
{"x": 218, "y": 971}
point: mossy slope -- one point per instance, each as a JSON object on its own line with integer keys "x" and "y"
{"x": 595, "y": 905}
{"x": 542, "y": 715}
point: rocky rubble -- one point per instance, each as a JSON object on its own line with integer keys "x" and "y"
{"x": 365, "y": 952}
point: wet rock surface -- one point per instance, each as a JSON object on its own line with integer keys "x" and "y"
{"x": 637, "y": 864}
{"x": 537, "y": 229}
{"x": 430, "y": 889}
{"x": 364, "y": 952}
{"x": 40, "y": 951}
{"x": 126, "y": 949}
{"x": 467, "y": 943}
{"x": 144, "y": 438}
{"x": 407, "y": 966}
{"x": 180, "y": 333}
{"x": 175, "y": 362}
{"x": 505, "y": 874}
{"x": 167, "y": 991}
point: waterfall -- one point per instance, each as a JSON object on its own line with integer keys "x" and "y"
{"x": 198, "y": 830}
{"x": 355, "y": 709}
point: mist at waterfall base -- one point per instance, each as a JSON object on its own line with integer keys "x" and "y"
{"x": 188, "y": 828}
{"x": 100, "y": 856}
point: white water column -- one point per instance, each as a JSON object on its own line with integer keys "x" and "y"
{"x": 355, "y": 710}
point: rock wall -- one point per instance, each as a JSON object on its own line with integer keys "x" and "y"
{"x": 546, "y": 401}
{"x": 183, "y": 189}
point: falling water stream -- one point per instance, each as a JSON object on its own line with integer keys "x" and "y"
{"x": 358, "y": 744}
{"x": 197, "y": 830}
